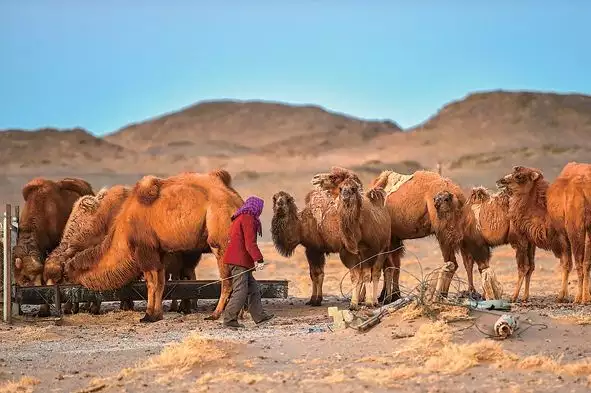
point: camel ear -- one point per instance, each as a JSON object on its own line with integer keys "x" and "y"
{"x": 535, "y": 176}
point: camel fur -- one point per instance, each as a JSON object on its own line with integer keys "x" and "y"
{"x": 319, "y": 229}
{"x": 42, "y": 220}
{"x": 555, "y": 217}
{"x": 180, "y": 213}
{"x": 86, "y": 227}
{"x": 487, "y": 215}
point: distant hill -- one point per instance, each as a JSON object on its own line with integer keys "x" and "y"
{"x": 223, "y": 128}
{"x": 271, "y": 146}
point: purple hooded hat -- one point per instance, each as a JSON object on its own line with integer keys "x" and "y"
{"x": 253, "y": 206}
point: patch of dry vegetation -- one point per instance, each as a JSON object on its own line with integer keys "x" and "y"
{"x": 175, "y": 361}
{"x": 109, "y": 318}
{"x": 575, "y": 319}
{"x": 432, "y": 351}
{"x": 27, "y": 334}
{"x": 24, "y": 385}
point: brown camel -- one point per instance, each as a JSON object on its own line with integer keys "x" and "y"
{"x": 555, "y": 217}
{"x": 487, "y": 215}
{"x": 87, "y": 226}
{"x": 413, "y": 215}
{"x": 42, "y": 220}
{"x": 183, "y": 212}
{"x": 318, "y": 228}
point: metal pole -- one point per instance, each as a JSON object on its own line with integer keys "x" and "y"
{"x": 7, "y": 311}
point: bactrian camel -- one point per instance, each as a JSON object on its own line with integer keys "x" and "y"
{"x": 189, "y": 211}
{"x": 555, "y": 217}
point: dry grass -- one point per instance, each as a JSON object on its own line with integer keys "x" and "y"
{"x": 26, "y": 334}
{"x": 110, "y": 318}
{"x": 24, "y": 385}
{"x": 576, "y": 319}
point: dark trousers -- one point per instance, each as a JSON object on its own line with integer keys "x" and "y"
{"x": 244, "y": 288}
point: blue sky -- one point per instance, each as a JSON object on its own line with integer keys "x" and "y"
{"x": 103, "y": 64}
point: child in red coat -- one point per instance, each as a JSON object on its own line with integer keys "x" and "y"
{"x": 242, "y": 254}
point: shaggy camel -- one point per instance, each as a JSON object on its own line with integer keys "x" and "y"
{"x": 555, "y": 217}
{"x": 87, "y": 226}
{"x": 183, "y": 212}
{"x": 487, "y": 215}
{"x": 42, "y": 220}
{"x": 319, "y": 229}
{"x": 413, "y": 215}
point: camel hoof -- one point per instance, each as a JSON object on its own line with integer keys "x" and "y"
{"x": 150, "y": 318}
{"x": 75, "y": 308}
{"x": 126, "y": 305}
{"x": 95, "y": 309}
{"x": 185, "y": 307}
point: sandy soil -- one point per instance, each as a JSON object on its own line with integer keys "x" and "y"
{"x": 297, "y": 351}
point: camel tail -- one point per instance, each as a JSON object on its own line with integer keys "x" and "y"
{"x": 223, "y": 175}
{"x": 76, "y": 185}
{"x": 147, "y": 189}
{"x": 105, "y": 266}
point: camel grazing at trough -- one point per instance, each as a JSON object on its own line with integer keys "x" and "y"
{"x": 184, "y": 212}
{"x": 487, "y": 215}
{"x": 87, "y": 226}
{"x": 320, "y": 227}
{"x": 42, "y": 220}
{"x": 410, "y": 204}
{"x": 555, "y": 217}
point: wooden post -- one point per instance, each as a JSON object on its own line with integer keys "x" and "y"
{"x": 7, "y": 309}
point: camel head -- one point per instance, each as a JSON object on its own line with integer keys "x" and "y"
{"x": 28, "y": 268}
{"x": 520, "y": 181}
{"x": 444, "y": 203}
{"x": 349, "y": 192}
{"x": 479, "y": 195}
{"x": 283, "y": 204}
{"x": 331, "y": 181}
{"x": 285, "y": 224}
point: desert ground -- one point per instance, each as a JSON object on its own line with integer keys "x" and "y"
{"x": 439, "y": 348}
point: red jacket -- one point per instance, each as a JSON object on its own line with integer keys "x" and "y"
{"x": 242, "y": 248}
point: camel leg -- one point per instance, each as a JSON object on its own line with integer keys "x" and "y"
{"x": 469, "y": 266}
{"x": 388, "y": 282}
{"x": 392, "y": 274}
{"x": 226, "y": 284}
{"x": 44, "y": 311}
{"x": 126, "y": 305}
{"x": 531, "y": 262}
{"x": 95, "y": 307}
{"x": 566, "y": 264}
{"x": 316, "y": 261}
{"x": 68, "y": 307}
{"x": 155, "y": 282}
{"x": 522, "y": 267}
{"x": 375, "y": 274}
{"x": 174, "y": 306}
{"x": 447, "y": 273}
{"x": 356, "y": 280}
{"x": 586, "y": 266}
{"x": 159, "y": 294}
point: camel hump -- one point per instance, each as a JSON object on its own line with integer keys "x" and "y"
{"x": 377, "y": 196}
{"x": 479, "y": 195}
{"x": 86, "y": 204}
{"x": 382, "y": 179}
{"x": 34, "y": 185}
{"x": 76, "y": 185}
{"x": 147, "y": 189}
{"x": 223, "y": 175}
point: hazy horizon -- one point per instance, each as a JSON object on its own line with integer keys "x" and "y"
{"x": 103, "y": 66}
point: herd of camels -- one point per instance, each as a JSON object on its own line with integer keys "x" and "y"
{"x": 160, "y": 227}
